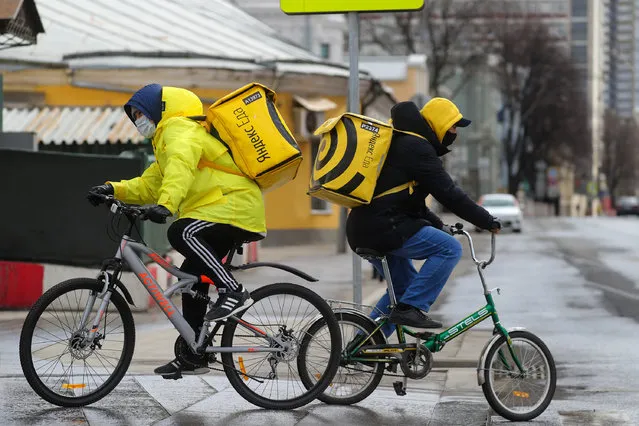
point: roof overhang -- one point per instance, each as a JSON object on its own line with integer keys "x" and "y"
{"x": 315, "y": 104}
{"x": 20, "y": 23}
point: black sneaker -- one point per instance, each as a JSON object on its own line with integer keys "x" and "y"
{"x": 412, "y": 316}
{"x": 229, "y": 303}
{"x": 176, "y": 368}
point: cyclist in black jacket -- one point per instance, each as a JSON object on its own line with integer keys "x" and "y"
{"x": 401, "y": 226}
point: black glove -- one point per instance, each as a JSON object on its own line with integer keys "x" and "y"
{"x": 495, "y": 225}
{"x": 158, "y": 213}
{"x": 446, "y": 229}
{"x": 95, "y": 194}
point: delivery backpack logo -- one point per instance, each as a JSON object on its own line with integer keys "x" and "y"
{"x": 254, "y": 138}
{"x": 352, "y": 152}
{"x": 261, "y": 144}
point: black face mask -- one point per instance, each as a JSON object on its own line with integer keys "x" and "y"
{"x": 449, "y": 138}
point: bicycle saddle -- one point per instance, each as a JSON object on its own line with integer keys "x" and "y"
{"x": 248, "y": 236}
{"x": 369, "y": 253}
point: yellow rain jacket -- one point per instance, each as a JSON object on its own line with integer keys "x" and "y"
{"x": 179, "y": 178}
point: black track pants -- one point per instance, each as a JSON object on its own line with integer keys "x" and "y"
{"x": 204, "y": 245}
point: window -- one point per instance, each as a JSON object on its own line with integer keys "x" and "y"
{"x": 580, "y": 8}
{"x": 579, "y": 31}
{"x": 579, "y": 53}
{"x": 624, "y": 86}
{"x": 325, "y": 50}
{"x": 318, "y": 206}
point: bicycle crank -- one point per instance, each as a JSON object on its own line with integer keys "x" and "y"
{"x": 186, "y": 356}
{"x": 418, "y": 363}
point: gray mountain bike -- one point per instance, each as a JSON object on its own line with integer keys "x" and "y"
{"x": 78, "y": 339}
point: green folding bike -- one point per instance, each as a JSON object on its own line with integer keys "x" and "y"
{"x": 515, "y": 370}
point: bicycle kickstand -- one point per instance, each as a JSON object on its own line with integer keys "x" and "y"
{"x": 400, "y": 387}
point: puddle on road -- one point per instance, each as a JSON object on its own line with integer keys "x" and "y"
{"x": 593, "y": 418}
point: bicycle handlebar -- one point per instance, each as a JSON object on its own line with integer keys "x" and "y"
{"x": 458, "y": 229}
{"x": 117, "y": 206}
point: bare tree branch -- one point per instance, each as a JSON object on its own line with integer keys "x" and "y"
{"x": 539, "y": 92}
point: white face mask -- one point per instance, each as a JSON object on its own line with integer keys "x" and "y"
{"x": 145, "y": 126}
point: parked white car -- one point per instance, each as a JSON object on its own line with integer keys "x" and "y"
{"x": 505, "y": 207}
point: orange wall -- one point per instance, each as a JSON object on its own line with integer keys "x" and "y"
{"x": 289, "y": 207}
{"x": 404, "y": 90}
{"x": 67, "y": 95}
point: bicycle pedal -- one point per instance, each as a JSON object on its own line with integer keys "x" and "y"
{"x": 391, "y": 367}
{"x": 175, "y": 376}
{"x": 400, "y": 389}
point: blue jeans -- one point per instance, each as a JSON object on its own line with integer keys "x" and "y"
{"x": 420, "y": 289}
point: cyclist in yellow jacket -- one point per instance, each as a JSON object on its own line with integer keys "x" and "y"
{"x": 214, "y": 209}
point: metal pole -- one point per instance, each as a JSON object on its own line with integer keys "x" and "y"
{"x": 595, "y": 87}
{"x": 308, "y": 33}
{"x": 1, "y": 101}
{"x": 353, "y": 106}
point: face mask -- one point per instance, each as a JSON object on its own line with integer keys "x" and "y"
{"x": 145, "y": 126}
{"x": 449, "y": 138}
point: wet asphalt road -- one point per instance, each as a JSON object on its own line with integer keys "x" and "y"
{"x": 573, "y": 282}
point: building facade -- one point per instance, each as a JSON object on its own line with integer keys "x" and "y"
{"x": 621, "y": 90}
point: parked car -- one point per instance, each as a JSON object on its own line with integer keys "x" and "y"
{"x": 628, "y": 205}
{"x": 506, "y": 208}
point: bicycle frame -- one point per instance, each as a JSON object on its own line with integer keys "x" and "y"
{"x": 436, "y": 342}
{"x": 128, "y": 252}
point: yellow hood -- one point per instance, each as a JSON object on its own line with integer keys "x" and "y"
{"x": 441, "y": 114}
{"x": 177, "y": 102}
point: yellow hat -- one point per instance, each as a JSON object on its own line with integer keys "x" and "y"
{"x": 441, "y": 114}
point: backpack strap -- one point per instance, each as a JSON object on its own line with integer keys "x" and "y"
{"x": 406, "y": 132}
{"x": 410, "y": 185}
{"x": 212, "y": 165}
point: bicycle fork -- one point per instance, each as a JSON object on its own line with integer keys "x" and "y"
{"x": 105, "y": 295}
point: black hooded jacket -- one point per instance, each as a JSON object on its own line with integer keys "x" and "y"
{"x": 388, "y": 221}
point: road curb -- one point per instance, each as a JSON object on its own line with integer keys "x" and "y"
{"x": 489, "y": 417}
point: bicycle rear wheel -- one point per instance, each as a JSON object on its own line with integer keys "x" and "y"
{"x": 354, "y": 381}
{"x": 56, "y": 360}
{"x": 271, "y": 379}
{"x": 514, "y": 395}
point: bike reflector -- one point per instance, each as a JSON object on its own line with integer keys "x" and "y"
{"x": 73, "y": 386}
{"x": 240, "y": 361}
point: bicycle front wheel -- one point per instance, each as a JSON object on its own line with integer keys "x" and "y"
{"x": 57, "y": 359}
{"x": 272, "y": 379}
{"x": 512, "y": 394}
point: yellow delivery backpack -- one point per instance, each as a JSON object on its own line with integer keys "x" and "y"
{"x": 259, "y": 140}
{"x": 352, "y": 151}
